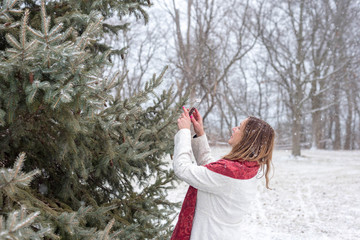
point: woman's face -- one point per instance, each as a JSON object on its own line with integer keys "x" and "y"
{"x": 237, "y": 133}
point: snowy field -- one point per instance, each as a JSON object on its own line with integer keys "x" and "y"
{"x": 316, "y": 196}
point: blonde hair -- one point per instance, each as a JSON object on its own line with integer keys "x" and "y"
{"x": 256, "y": 144}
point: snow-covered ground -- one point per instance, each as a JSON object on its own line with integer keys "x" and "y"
{"x": 316, "y": 196}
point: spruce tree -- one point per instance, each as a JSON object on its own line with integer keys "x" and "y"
{"x": 94, "y": 167}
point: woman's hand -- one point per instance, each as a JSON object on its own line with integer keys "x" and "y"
{"x": 184, "y": 120}
{"x": 198, "y": 123}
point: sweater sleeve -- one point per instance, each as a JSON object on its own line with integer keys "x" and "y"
{"x": 199, "y": 177}
{"x": 201, "y": 150}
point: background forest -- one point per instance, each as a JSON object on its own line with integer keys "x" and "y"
{"x": 90, "y": 92}
{"x": 292, "y": 63}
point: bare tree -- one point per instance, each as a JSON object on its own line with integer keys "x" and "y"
{"x": 209, "y": 41}
{"x": 287, "y": 40}
{"x": 140, "y": 59}
{"x": 287, "y": 46}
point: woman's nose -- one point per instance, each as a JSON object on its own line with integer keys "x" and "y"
{"x": 233, "y": 129}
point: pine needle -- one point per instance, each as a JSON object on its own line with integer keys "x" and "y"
{"x": 23, "y": 29}
{"x": 56, "y": 29}
{"x": 107, "y": 229}
{"x": 19, "y": 163}
{"x": 13, "y": 4}
{"x": 35, "y": 32}
{"x": 44, "y": 20}
{"x": 12, "y": 41}
{"x": 31, "y": 45}
{"x": 26, "y": 221}
{"x": 12, "y": 220}
{"x": 56, "y": 103}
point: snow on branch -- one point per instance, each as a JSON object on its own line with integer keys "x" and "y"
{"x": 10, "y": 179}
{"x": 18, "y": 226}
{"x": 322, "y": 108}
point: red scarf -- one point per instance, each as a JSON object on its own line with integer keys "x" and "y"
{"x": 233, "y": 169}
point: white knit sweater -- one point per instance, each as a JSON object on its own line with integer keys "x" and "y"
{"x": 222, "y": 202}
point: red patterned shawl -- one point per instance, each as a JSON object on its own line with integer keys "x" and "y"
{"x": 233, "y": 169}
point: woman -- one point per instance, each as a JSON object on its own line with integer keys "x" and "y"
{"x": 220, "y": 192}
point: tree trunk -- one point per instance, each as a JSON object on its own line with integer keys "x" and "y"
{"x": 337, "y": 139}
{"x": 349, "y": 133}
{"x": 316, "y": 130}
{"x": 316, "y": 114}
{"x": 296, "y": 132}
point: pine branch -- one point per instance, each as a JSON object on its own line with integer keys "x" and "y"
{"x": 106, "y": 232}
{"x": 56, "y": 29}
{"x": 8, "y": 7}
{"x": 11, "y": 179}
{"x": 18, "y": 223}
{"x": 91, "y": 30}
{"x": 22, "y": 50}
{"x": 13, "y": 42}
{"x": 6, "y": 26}
{"x": 55, "y": 38}
{"x": 18, "y": 226}
{"x": 36, "y": 32}
{"x": 24, "y": 222}
{"x": 31, "y": 46}
{"x": 12, "y": 4}
{"x": 45, "y": 21}
{"x": 23, "y": 29}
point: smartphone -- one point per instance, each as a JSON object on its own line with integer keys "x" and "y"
{"x": 195, "y": 105}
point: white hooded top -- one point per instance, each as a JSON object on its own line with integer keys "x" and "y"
{"x": 223, "y": 203}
